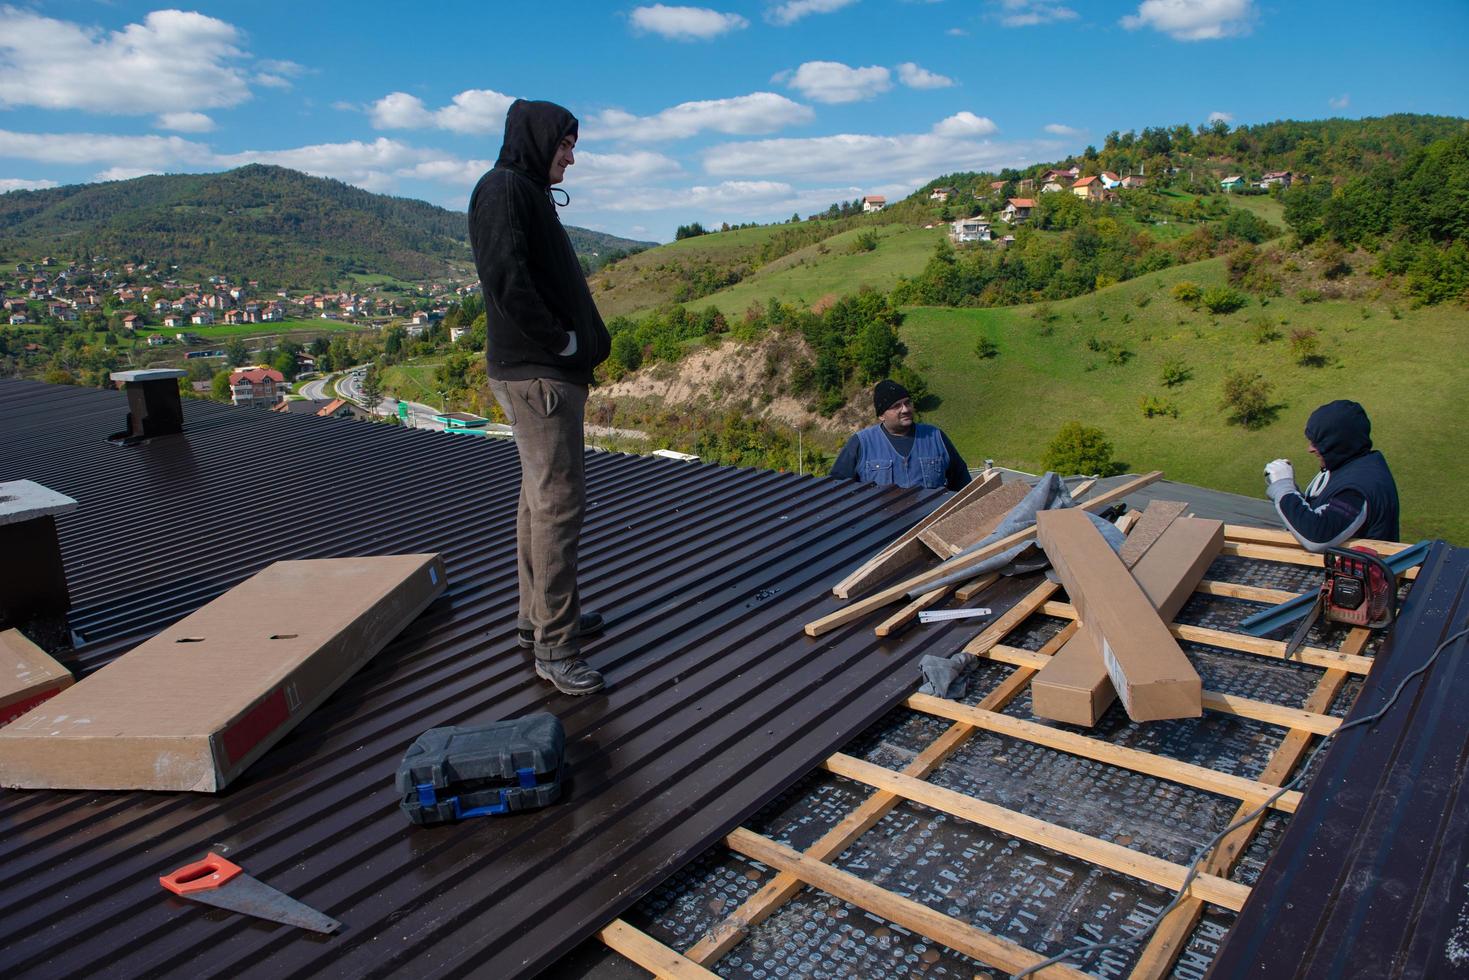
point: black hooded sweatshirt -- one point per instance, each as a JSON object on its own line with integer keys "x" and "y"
{"x": 535, "y": 293}
{"x": 1354, "y": 495}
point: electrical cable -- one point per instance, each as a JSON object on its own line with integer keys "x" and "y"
{"x": 1086, "y": 950}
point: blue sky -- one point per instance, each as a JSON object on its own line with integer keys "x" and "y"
{"x": 729, "y": 112}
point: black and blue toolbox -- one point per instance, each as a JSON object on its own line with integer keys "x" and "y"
{"x": 475, "y": 771}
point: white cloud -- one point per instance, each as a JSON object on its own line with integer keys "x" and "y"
{"x": 172, "y": 62}
{"x": 915, "y": 77}
{"x": 185, "y": 122}
{"x": 1217, "y": 116}
{"x": 908, "y": 158}
{"x": 685, "y": 23}
{"x": 1194, "y": 20}
{"x": 601, "y": 169}
{"x": 124, "y": 173}
{"x": 1340, "y": 101}
{"x": 149, "y": 152}
{"x": 957, "y": 32}
{"x": 368, "y": 165}
{"x": 275, "y": 73}
{"x": 728, "y": 195}
{"x": 8, "y": 184}
{"x": 965, "y": 124}
{"x": 1058, "y": 129}
{"x": 1029, "y": 13}
{"x": 793, "y": 10}
{"x": 743, "y": 115}
{"x": 476, "y": 110}
{"x": 834, "y": 82}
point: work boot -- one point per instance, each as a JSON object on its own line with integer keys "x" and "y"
{"x": 590, "y": 624}
{"x": 571, "y": 676}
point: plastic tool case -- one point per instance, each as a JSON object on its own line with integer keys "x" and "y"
{"x": 474, "y": 771}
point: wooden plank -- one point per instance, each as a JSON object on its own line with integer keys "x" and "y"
{"x": 970, "y": 523}
{"x": 1274, "y": 649}
{"x": 1075, "y": 686}
{"x": 960, "y": 936}
{"x": 1216, "y": 701}
{"x": 1234, "y": 590}
{"x": 971, "y": 589}
{"x": 1149, "y": 671}
{"x": 863, "y": 607}
{"x": 996, "y": 631}
{"x": 1087, "y": 747}
{"x": 1242, "y": 534}
{"x": 776, "y": 892}
{"x": 906, "y": 549}
{"x": 1155, "y": 520}
{"x": 1114, "y": 857}
{"x": 1169, "y": 939}
{"x": 910, "y": 612}
{"x": 650, "y": 954}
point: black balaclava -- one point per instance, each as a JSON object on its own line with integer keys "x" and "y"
{"x": 533, "y": 130}
{"x": 1340, "y": 431}
{"x": 886, "y": 394}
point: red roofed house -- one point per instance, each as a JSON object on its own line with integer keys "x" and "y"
{"x": 873, "y": 202}
{"x": 1089, "y": 189}
{"x": 1134, "y": 180}
{"x": 1281, "y": 177}
{"x": 1017, "y": 209}
{"x": 257, "y": 386}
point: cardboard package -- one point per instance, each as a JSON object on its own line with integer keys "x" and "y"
{"x": 28, "y": 676}
{"x": 1149, "y": 671}
{"x": 193, "y": 707}
{"x": 1075, "y": 687}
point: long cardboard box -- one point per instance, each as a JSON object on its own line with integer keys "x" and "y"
{"x": 193, "y": 707}
{"x": 1149, "y": 671}
{"x": 28, "y": 675}
{"x": 1075, "y": 686}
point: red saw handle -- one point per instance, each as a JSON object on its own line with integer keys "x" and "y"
{"x": 200, "y": 876}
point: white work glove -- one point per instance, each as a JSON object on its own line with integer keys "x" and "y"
{"x": 1280, "y": 478}
{"x": 570, "y": 347}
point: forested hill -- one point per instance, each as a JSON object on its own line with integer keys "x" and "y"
{"x": 276, "y": 225}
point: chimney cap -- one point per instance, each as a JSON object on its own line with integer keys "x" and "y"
{"x": 150, "y": 374}
{"x": 24, "y": 500}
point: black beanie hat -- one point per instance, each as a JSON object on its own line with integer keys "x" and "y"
{"x": 886, "y": 394}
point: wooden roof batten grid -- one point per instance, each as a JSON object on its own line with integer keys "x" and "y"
{"x": 1211, "y": 886}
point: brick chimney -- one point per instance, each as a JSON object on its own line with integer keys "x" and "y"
{"x": 32, "y": 579}
{"x": 153, "y": 400}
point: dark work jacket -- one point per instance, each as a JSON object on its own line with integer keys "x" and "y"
{"x": 1354, "y": 495}
{"x": 1368, "y": 478}
{"x": 535, "y": 293}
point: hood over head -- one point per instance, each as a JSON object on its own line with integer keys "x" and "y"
{"x": 533, "y": 130}
{"x": 1340, "y": 431}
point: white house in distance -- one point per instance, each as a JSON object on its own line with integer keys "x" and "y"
{"x": 941, "y": 194}
{"x": 969, "y": 230}
{"x": 1281, "y": 177}
{"x": 873, "y": 202}
{"x": 1017, "y": 209}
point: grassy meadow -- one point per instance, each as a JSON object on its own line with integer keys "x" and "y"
{"x": 1405, "y": 371}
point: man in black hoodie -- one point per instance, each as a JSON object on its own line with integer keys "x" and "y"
{"x": 544, "y": 338}
{"x": 1354, "y": 495}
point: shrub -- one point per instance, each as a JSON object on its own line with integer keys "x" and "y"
{"x": 1309, "y": 296}
{"x": 1305, "y": 347}
{"x": 1154, "y": 407}
{"x": 1175, "y": 373}
{"x": 986, "y": 348}
{"x": 1187, "y": 293}
{"x": 1222, "y": 299}
{"x": 1080, "y": 448}
{"x": 1265, "y": 332}
{"x": 1246, "y": 399}
{"x": 864, "y": 242}
{"x": 1143, "y": 299}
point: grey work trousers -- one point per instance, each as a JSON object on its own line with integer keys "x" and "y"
{"x": 547, "y": 417}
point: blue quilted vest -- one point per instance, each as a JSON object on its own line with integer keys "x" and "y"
{"x": 924, "y": 466}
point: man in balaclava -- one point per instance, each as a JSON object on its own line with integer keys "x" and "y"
{"x": 544, "y": 338}
{"x": 896, "y": 451}
{"x": 1354, "y": 495}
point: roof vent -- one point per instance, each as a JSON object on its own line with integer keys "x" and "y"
{"x": 156, "y": 409}
{"x": 32, "y": 579}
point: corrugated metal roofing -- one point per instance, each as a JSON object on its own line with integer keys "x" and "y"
{"x": 716, "y": 699}
{"x": 1372, "y": 876}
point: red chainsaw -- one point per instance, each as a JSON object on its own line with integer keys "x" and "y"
{"x": 1359, "y": 589}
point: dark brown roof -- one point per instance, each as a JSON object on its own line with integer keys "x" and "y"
{"x": 717, "y": 701}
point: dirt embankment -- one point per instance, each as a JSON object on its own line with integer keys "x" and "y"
{"x": 754, "y": 377}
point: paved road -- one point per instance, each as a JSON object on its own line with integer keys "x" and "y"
{"x": 420, "y": 416}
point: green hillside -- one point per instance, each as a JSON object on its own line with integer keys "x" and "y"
{"x": 1404, "y": 365}
{"x": 279, "y": 226}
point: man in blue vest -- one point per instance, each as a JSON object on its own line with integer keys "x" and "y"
{"x": 899, "y": 452}
{"x": 1354, "y": 495}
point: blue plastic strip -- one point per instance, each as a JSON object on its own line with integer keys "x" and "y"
{"x": 527, "y": 778}
{"x": 426, "y": 795}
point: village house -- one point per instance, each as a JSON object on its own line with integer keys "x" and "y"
{"x": 234, "y": 316}
{"x": 175, "y": 320}
{"x": 967, "y": 230}
{"x": 1134, "y": 180}
{"x": 1232, "y": 183}
{"x": 1089, "y": 189}
{"x": 202, "y": 318}
{"x": 1282, "y": 178}
{"x": 131, "y": 321}
{"x": 873, "y": 202}
{"x": 157, "y": 340}
{"x": 1052, "y": 187}
{"x": 941, "y": 194}
{"x": 1110, "y": 180}
{"x": 1017, "y": 209}
{"x": 17, "y": 319}
{"x": 997, "y": 186}
{"x": 260, "y": 386}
